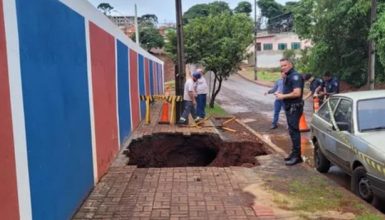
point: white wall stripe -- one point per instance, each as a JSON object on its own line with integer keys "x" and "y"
{"x": 17, "y": 106}
{"x": 117, "y": 91}
{"x": 91, "y": 101}
{"x": 90, "y": 13}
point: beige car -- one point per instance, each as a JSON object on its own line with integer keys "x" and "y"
{"x": 349, "y": 131}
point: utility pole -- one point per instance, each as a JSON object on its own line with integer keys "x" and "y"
{"x": 136, "y": 26}
{"x": 372, "y": 50}
{"x": 255, "y": 40}
{"x": 179, "y": 74}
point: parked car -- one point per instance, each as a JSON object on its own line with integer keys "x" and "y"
{"x": 349, "y": 131}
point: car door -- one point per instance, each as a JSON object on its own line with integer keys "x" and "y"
{"x": 343, "y": 135}
{"x": 325, "y": 138}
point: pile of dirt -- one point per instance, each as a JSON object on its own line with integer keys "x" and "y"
{"x": 177, "y": 150}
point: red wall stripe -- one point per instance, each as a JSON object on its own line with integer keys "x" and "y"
{"x": 155, "y": 78}
{"x": 134, "y": 88}
{"x": 9, "y": 208}
{"x": 147, "y": 75}
{"x": 102, "y": 47}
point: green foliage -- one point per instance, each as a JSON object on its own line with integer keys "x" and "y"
{"x": 196, "y": 11}
{"x": 149, "y": 38}
{"x": 204, "y": 10}
{"x": 289, "y": 54}
{"x": 270, "y": 8}
{"x": 218, "y": 43}
{"x": 243, "y": 7}
{"x": 170, "y": 46}
{"x": 148, "y": 20}
{"x": 339, "y": 31}
{"x": 377, "y": 33}
{"x": 105, "y": 8}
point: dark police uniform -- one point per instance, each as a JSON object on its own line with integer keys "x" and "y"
{"x": 332, "y": 86}
{"x": 314, "y": 85}
{"x": 294, "y": 109}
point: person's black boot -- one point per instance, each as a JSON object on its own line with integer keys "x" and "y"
{"x": 289, "y": 157}
{"x": 294, "y": 160}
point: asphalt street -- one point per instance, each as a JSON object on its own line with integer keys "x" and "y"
{"x": 246, "y": 100}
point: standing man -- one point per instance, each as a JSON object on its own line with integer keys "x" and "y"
{"x": 189, "y": 99}
{"x": 292, "y": 98}
{"x": 202, "y": 91}
{"x": 278, "y": 104}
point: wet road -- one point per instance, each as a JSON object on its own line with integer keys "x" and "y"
{"x": 246, "y": 100}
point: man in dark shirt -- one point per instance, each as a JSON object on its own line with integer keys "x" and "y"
{"x": 316, "y": 90}
{"x": 292, "y": 97}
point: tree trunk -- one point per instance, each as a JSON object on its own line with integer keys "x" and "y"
{"x": 211, "y": 104}
{"x": 215, "y": 92}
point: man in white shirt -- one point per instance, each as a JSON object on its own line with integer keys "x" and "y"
{"x": 189, "y": 99}
{"x": 202, "y": 90}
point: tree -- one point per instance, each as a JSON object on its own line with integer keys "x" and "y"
{"x": 105, "y": 8}
{"x": 339, "y": 31}
{"x": 270, "y": 8}
{"x": 243, "y": 7}
{"x": 196, "y": 11}
{"x": 377, "y": 33}
{"x": 149, "y": 38}
{"x": 219, "y": 7}
{"x": 149, "y": 20}
{"x": 204, "y": 10}
{"x": 218, "y": 43}
{"x": 170, "y": 46}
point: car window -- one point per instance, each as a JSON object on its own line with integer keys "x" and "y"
{"x": 371, "y": 114}
{"x": 343, "y": 115}
{"x": 323, "y": 112}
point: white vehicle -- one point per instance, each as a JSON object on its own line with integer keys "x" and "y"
{"x": 349, "y": 131}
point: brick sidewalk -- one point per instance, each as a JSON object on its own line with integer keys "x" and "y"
{"x": 127, "y": 192}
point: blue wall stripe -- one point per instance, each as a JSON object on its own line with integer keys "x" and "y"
{"x": 56, "y": 102}
{"x": 123, "y": 92}
{"x": 151, "y": 78}
{"x": 142, "y": 88}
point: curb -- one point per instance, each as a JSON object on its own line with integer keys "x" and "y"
{"x": 270, "y": 144}
{"x": 253, "y": 81}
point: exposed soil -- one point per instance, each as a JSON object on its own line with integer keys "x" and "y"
{"x": 177, "y": 150}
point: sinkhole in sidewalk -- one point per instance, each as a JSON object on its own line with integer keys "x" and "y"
{"x": 177, "y": 150}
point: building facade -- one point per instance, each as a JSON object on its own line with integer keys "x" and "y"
{"x": 271, "y": 46}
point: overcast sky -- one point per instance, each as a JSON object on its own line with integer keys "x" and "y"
{"x": 163, "y": 9}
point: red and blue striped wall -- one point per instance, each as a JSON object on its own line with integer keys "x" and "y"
{"x": 69, "y": 91}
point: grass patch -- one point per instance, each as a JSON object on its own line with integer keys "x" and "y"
{"x": 270, "y": 76}
{"x": 314, "y": 195}
{"x": 216, "y": 111}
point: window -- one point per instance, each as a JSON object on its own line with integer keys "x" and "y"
{"x": 259, "y": 47}
{"x": 295, "y": 45}
{"x": 282, "y": 46}
{"x": 371, "y": 114}
{"x": 343, "y": 115}
{"x": 323, "y": 112}
{"x": 267, "y": 46}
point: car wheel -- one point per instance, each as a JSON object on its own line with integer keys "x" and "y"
{"x": 321, "y": 163}
{"x": 360, "y": 184}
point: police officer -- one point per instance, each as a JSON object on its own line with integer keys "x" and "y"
{"x": 292, "y": 97}
{"x": 316, "y": 89}
{"x": 332, "y": 85}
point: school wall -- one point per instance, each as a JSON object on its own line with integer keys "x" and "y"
{"x": 70, "y": 82}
